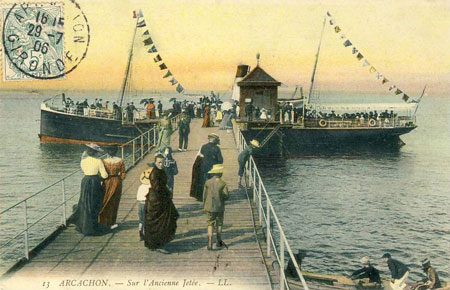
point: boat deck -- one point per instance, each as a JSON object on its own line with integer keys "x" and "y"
{"x": 119, "y": 259}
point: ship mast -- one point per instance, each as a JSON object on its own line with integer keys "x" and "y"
{"x": 314, "y": 70}
{"x": 127, "y": 75}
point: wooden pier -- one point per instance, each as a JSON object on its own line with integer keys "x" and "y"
{"x": 118, "y": 260}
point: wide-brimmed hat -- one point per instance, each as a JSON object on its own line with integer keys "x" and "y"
{"x": 215, "y": 137}
{"x": 217, "y": 168}
{"x": 365, "y": 260}
{"x": 425, "y": 263}
{"x": 255, "y": 143}
{"x": 145, "y": 176}
{"x": 386, "y": 255}
{"x": 95, "y": 147}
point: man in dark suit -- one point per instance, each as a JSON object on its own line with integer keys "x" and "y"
{"x": 184, "y": 130}
{"x": 399, "y": 272}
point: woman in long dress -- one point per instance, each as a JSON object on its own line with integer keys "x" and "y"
{"x": 206, "y": 119}
{"x": 160, "y": 213}
{"x": 91, "y": 195}
{"x": 112, "y": 188}
{"x": 164, "y": 134}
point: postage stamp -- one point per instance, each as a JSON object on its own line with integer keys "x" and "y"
{"x": 43, "y": 40}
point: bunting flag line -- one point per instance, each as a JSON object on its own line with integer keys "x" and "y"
{"x": 152, "y": 50}
{"x": 168, "y": 74}
{"x": 148, "y": 41}
{"x": 359, "y": 57}
{"x": 162, "y": 66}
{"x": 173, "y": 81}
{"x": 146, "y": 33}
{"x": 347, "y": 43}
{"x": 134, "y": 14}
{"x": 140, "y": 14}
{"x": 141, "y": 23}
{"x": 180, "y": 89}
{"x": 157, "y": 58}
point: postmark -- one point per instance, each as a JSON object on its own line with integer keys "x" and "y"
{"x": 43, "y": 40}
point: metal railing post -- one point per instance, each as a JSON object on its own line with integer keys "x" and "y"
{"x": 253, "y": 180}
{"x": 269, "y": 233}
{"x": 25, "y": 225}
{"x": 64, "y": 203}
{"x": 122, "y": 152}
{"x": 142, "y": 146}
{"x": 260, "y": 200}
{"x": 148, "y": 141}
{"x": 281, "y": 262}
{"x": 134, "y": 152}
{"x": 154, "y": 134}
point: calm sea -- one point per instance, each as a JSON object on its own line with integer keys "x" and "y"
{"x": 337, "y": 207}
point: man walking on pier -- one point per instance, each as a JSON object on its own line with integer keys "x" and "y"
{"x": 184, "y": 130}
{"x": 215, "y": 193}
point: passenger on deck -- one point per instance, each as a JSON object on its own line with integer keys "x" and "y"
{"x": 112, "y": 188}
{"x": 160, "y": 213}
{"x": 431, "y": 281}
{"x": 183, "y": 131}
{"x": 150, "y": 110}
{"x": 141, "y": 196}
{"x": 164, "y": 134}
{"x": 160, "y": 109}
{"x": 399, "y": 272}
{"x": 206, "y": 117}
{"x": 244, "y": 156}
{"x": 290, "y": 269}
{"x": 90, "y": 202}
{"x": 249, "y": 111}
{"x": 215, "y": 193}
{"x": 367, "y": 271}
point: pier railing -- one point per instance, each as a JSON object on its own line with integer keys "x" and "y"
{"x": 267, "y": 216}
{"x": 67, "y": 189}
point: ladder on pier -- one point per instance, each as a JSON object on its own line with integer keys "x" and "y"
{"x": 273, "y": 132}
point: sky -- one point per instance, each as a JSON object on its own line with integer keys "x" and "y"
{"x": 203, "y": 41}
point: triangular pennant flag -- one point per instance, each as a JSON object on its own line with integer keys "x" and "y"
{"x": 331, "y": 22}
{"x": 168, "y": 74}
{"x": 162, "y": 66}
{"x": 405, "y": 97}
{"x": 366, "y": 63}
{"x": 354, "y": 50}
{"x": 146, "y": 33}
{"x": 385, "y": 80}
{"x": 157, "y": 58}
{"x": 140, "y": 14}
{"x": 398, "y": 91}
{"x": 134, "y": 14}
{"x": 379, "y": 76}
{"x": 372, "y": 70}
{"x": 148, "y": 41}
{"x": 180, "y": 88}
{"x": 152, "y": 50}
{"x": 141, "y": 23}
{"x": 347, "y": 43}
{"x": 173, "y": 81}
{"x": 392, "y": 87}
{"x": 337, "y": 29}
{"x": 359, "y": 56}
{"x": 328, "y": 13}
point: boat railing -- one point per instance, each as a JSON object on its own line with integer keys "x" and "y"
{"x": 267, "y": 216}
{"x": 393, "y": 122}
{"x": 31, "y": 211}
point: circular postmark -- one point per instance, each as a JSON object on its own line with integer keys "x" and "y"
{"x": 45, "y": 40}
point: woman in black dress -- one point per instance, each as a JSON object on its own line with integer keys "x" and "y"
{"x": 91, "y": 195}
{"x": 160, "y": 214}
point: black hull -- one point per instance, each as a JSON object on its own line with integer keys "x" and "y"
{"x": 324, "y": 140}
{"x": 58, "y": 127}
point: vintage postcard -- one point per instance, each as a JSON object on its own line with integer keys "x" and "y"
{"x": 224, "y": 144}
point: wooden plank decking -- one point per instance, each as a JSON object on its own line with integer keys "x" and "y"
{"x": 119, "y": 257}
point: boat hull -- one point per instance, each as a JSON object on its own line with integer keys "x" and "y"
{"x": 308, "y": 140}
{"x": 58, "y": 127}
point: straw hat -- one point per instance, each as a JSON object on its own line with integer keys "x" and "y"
{"x": 217, "y": 168}
{"x": 94, "y": 147}
{"x": 145, "y": 176}
{"x": 255, "y": 143}
{"x": 365, "y": 260}
{"x": 215, "y": 137}
{"x": 426, "y": 263}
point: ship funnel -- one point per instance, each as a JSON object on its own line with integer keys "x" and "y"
{"x": 242, "y": 70}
